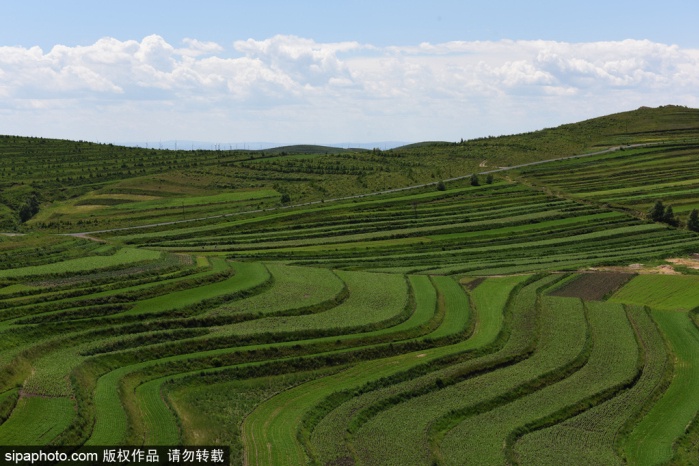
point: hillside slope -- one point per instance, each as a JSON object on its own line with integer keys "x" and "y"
{"x": 74, "y": 183}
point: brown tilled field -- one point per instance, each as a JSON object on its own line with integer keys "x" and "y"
{"x": 593, "y": 286}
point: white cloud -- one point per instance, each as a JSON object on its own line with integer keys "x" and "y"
{"x": 304, "y": 61}
{"x": 420, "y": 90}
{"x": 196, "y": 48}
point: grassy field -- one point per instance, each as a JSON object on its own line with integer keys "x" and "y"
{"x": 653, "y": 439}
{"x": 661, "y": 292}
{"x": 303, "y": 307}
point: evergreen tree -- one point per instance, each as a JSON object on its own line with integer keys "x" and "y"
{"x": 474, "y": 180}
{"x": 693, "y": 220}
{"x": 441, "y": 186}
{"x": 669, "y": 216}
{"x": 489, "y": 179}
{"x": 29, "y": 209}
{"x": 657, "y": 212}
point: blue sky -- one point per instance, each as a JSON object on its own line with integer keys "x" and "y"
{"x": 336, "y": 71}
{"x": 401, "y": 22}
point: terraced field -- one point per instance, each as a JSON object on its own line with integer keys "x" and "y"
{"x": 663, "y": 171}
{"x": 421, "y": 326}
{"x": 505, "y": 227}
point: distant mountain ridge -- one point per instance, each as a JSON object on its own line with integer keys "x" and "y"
{"x": 256, "y": 145}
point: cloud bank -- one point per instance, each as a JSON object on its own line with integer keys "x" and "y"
{"x": 293, "y": 89}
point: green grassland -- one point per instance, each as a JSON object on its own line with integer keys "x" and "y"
{"x": 661, "y": 292}
{"x": 313, "y": 305}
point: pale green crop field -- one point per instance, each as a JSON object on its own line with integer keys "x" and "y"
{"x": 666, "y": 292}
{"x": 119, "y": 258}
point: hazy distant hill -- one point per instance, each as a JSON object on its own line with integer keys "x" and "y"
{"x": 255, "y": 145}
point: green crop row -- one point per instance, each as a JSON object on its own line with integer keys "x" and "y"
{"x": 612, "y": 361}
{"x": 591, "y": 437}
{"x": 653, "y": 438}
{"x": 37, "y": 421}
{"x": 119, "y": 258}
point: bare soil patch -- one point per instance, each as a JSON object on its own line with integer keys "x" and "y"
{"x": 639, "y": 269}
{"x": 593, "y": 286}
{"x": 471, "y": 284}
{"x": 692, "y": 263}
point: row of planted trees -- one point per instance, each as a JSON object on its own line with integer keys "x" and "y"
{"x": 660, "y": 213}
{"x": 473, "y": 180}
